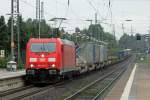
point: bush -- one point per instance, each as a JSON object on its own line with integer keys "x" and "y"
{"x": 3, "y": 63}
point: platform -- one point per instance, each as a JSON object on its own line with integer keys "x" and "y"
{"x": 134, "y": 84}
{"x": 8, "y": 74}
{"x": 11, "y": 80}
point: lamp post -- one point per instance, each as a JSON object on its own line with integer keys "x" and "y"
{"x": 129, "y": 20}
{"x": 89, "y": 20}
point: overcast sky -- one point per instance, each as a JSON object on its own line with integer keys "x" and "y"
{"x": 80, "y": 10}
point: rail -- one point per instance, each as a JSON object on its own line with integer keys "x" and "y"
{"x": 80, "y": 93}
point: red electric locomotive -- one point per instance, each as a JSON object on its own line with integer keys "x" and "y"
{"x": 48, "y": 59}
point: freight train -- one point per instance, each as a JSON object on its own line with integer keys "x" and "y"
{"x": 49, "y": 59}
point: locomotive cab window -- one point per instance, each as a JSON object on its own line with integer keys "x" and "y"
{"x": 43, "y": 47}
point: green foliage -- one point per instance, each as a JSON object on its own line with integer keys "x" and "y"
{"x": 77, "y": 29}
{"x": 32, "y": 27}
{"x": 3, "y": 63}
{"x": 55, "y": 33}
{"x": 131, "y": 42}
{"x": 28, "y": 28}
{"x": 98, "y": 32}
{"x": 4, "y": 36}
{"x": 24, "y": 39}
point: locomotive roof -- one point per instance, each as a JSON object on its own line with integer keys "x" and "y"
{"x": 52, "y": 40}
{"x": 68, "y": 42}
{"x": 41, "y": 39}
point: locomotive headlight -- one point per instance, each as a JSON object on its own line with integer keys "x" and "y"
{"x": 53, "y": 65}
{"x": 51, "y": 59}
{"x": 42, "y": 55}
{"x": 31, "y": 65}
{"x": 33, "y": 59}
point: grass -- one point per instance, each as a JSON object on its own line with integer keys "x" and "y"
{"x": 143, "y": 62}
{"x": 146, "y": 58}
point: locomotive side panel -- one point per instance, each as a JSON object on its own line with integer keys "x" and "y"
{"x": 68, "y": 58}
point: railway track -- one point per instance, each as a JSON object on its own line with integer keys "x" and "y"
{"x": 95, "y": 90}
{"x": 20, "y": 93}
{"x": 102, "y": 83}
{"x": 5, "y": 93}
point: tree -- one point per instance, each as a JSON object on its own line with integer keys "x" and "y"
{"x": 77, "y": 29}
{"x": 131, "y": 42}
{"x": 4, "y": 36}
{"x": 96, "y": 31}
{"x": 45, "y": 28}
{"x": 85, "y": 31}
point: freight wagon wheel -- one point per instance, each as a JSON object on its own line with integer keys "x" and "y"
{"x": 59, "y": 78}
{"x": 75, "y": 74}
{"x": 69, "y": 76}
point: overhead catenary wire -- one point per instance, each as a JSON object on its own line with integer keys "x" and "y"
{"x": 33, "y": 6}
{"x": 68, "y": 10}
{"x": 60, "y": 3}
{"x": 111, "y": 17}
{"x": 90, "y": 3}
{"x": 94, "y": 8}
{"x": 103, "y": 20}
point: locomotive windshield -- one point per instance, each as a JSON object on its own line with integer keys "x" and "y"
{"x": 43, "y": 47}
